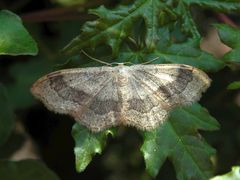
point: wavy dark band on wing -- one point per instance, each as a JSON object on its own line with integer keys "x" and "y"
{"x": 80, "y": 97}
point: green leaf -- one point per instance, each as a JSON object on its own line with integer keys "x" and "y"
{"x": 25, "y": 170}
{"x": 233, "y": 175}
{"x": 188, "y": 53}
{"x": 231, "y": 37}
{"x": 114, "y": 26}
{"x": 181, "y": 53}
{"x": 6, "y": 116}
{"x": 188, "y": 23}
{"x": 178, "y": 140}
{"x": 87, "y": 144}
{"x": 219, "y": 5}
{"x": 234, "y": 85}
{"x": 14, "y": 38}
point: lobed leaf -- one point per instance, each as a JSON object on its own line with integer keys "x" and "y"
{"x": 231, "y": 37}
{"x": 14, "y": 38}
{"x": 168, "y": 51}
{"x": 182, "y": 53}
{"x": 25, "y": 170}
{"x": 188, "y": 53}
{"x": 113, "y": 26}
{"x": 87, "y": 144}
{"x": 188, "y": 24}
{"x": 228, "y": 35}
{"x": 6, "y": 116}
{"x": 219, "y": 5}
{"x": 178, "y": 140}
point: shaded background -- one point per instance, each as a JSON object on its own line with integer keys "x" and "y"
{"x": 48, "y": 135}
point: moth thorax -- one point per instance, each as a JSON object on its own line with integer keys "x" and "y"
{"x": 122, "y": 77}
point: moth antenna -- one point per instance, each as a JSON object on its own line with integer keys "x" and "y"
{"x": 95, "y": 59}
{"x": 154, "y": 59}
{"x": 129, "y": 62}
{"x": 122, "y": 63}
{"x": 132, "y": 40}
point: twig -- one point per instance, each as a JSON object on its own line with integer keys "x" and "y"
{"x": 225, "y": 19}
{"x": 61, "y": 13}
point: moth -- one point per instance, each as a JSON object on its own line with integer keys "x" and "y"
{"x": 139, "y": 95}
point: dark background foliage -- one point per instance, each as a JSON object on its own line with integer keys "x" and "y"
{"x": 52, "y": 26}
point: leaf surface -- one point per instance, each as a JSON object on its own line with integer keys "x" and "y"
{"x": 219, "y": 5}
{"x": 14, "y": 38}
{"x": 234, "y": 85}
{"x": 87, "y": 144}
{"x": 188, "y": 53}
{"x": 182, "y": 53}
{"x": 178, "y": 140}
{"x": 114, "y": 26}
{"x": 231, "y": 37}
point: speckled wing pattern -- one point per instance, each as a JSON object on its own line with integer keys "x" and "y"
{"x": 139, "y": 95}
